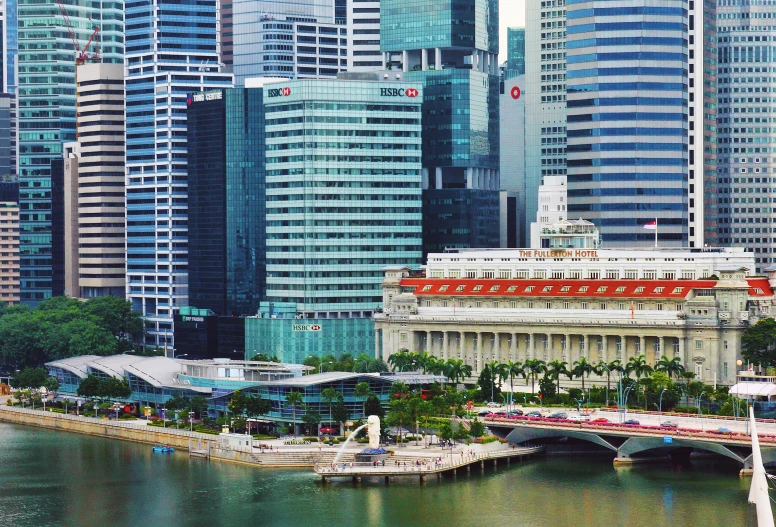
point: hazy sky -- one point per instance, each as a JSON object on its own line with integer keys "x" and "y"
{"x": 511, "y": 13}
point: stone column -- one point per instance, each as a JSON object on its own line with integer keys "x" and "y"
{"x": 497, "y": 346}
{"x": 461, "y": 346}
{"x": 682, "y": 355}
{"x": 623, "y": 348}
{"x": 405, "y": 61}
{"x": 604, "y": 351}
{"x": 531, "y": 352}
{"x": 663, "y": 350}
{"x": 429, "y": 343}
{"x": 424, "y": 59}
{"x": 438, "y": 58}
{"x": 445, "y": 345}
{"x": 513, "y": 348}
{"x": 411, "y": 346}
{"x": 478, "y": 355}
{"x": 569, "y": 348}
{"x": 587, "y": 347}
{"x": 642, "y": 349}
{"x": 377, "y": 344}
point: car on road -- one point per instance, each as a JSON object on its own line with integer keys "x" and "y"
{"x": 722, "y": 430}
{"x": 669, "y": 424}
{"x": 579, "y": 417}
{"x": 328, "y": 430}
{"x": 599, "y": 421}
{"x": 558, "y": 415}
{"x": 631, "y": 422}
{"x": 514, "y": 413}
{"x": 484, "y": 413}
{"x": 493, "y": 405}
{"x": 533, "y": 414}
{"x": 496, "y": 415}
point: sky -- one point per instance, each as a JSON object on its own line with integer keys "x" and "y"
{"x": 511, "y": 13}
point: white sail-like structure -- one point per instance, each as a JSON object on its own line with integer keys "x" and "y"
{"x": 758, "y": 492}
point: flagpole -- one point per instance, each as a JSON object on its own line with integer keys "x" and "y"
{"x": 655, "y": 232}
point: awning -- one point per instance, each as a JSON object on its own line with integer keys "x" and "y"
{"x": 753, "y": 389}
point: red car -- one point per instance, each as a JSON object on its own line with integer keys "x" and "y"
{"x": 328, "y": 430}
{"x": 599, "y": 421}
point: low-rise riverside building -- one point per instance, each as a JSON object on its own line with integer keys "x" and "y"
{"x": 483, "y": 305}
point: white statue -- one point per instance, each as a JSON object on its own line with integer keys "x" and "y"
{"x": 373, "y": 431}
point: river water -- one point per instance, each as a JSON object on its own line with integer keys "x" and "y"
{"x": 58, "y": 478}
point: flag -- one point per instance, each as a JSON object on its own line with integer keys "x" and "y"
{"x": 651, "y": 225}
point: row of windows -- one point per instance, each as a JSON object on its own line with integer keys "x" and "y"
{"x": 572, "y": 274}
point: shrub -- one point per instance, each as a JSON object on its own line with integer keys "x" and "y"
{"x": 487, "y": 439}
{"x": 127, "y": 417}
{"x": 311, "y": 439}
{"x": 262, "y": 436}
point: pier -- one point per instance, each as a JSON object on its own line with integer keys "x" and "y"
{"x": 422, "y": 468}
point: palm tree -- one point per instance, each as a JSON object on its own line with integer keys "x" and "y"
{"x": 609, "y": 368}
{"x": 294, "y": 399}
{"x": 362, "y": 391}
{"x": 670, "y": 366}
{"x": 513, "y": 369}
{"x": 534, "y": 367}
{"x": 456, "y": 370}
{"x": 556, "y": 368}
{"x": 399, "y": 360}
{"x": 581, "y": 368}
{"x": 639, "y": 366}
{"x": 330, "y": 395}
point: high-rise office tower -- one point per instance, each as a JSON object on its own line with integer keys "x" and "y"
{"x": 746, "y": 155}
{"x": 512, "y": 159}
{"x": 452, "y": 48}
{"x": 515, "y": 64}
{"x": 702, "y": 212}
{"x": 363, "y": 22}
{"x": 627, "y": 119}
{"x": 227, "y": 223}
{"x": 545, "y": 97}
{"x": 95, "y": 209}
{"x": 47, "y": 115}
{"x": 226, "y": 25}
{"x": 9, "y": 235}
{"x": 178, "y": 56}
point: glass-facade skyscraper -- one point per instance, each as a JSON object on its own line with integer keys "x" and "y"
{"x": 343, "y": 161}
{"x": 746, "y": 154}
{"x": 47, "y": 115}
{"x": 515, "y": 64}
{"x": 627, "y": 118}
{"x": 452, "y": 48}
{"x": 227, "y": 225}
{"x": 172, "y": 51}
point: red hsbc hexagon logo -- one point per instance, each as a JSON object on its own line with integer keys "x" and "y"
{"x": 286, "y": 91}
{"x": 315, "y": 327}
{"x": 515, "y": 92}
{"x": 411, "y": 92}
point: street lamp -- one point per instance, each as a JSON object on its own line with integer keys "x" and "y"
{"x": 191, "y": 421}
{"x": 660, "y": 409}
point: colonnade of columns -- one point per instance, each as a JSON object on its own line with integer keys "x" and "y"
{"x": 477, "y": 347}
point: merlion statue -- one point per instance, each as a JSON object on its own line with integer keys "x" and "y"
{"x": 373, "y": 431}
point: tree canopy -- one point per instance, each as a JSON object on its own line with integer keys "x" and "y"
{"x": 758, "y": 343}
{"x": 62, "y": 327}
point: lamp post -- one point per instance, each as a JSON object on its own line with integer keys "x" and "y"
{"x": 492, "y": 383}
{"x": 660, "y": 409}
{"x": 191, "y": 421}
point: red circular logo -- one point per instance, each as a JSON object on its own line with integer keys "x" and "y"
{"x": 285, "y": 92}
{"x": 515, "y": 92}
{"x": 411, "y": 92}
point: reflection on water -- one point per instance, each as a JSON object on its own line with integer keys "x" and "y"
{"x": 52, "y": 478}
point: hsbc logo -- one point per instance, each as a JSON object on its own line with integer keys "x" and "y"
{"x": 398, "y": 92}
{"x": 515, "y": 92}
{"x": 279, "y": 92}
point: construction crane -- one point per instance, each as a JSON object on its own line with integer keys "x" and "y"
{"x": 81, "y": 55}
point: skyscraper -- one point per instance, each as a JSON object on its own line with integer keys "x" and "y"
{"x": 746, "y": 156}
{"x": 179, "y": 56}
{"x": 47, "y": 115}
{"x": 452, "y": 48}
{"x": 515, "y": 64}
{"x": 227, "y": 223}
{"x": 627, "y": 119}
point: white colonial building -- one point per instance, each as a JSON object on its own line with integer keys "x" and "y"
{"x": 483, "y": 305}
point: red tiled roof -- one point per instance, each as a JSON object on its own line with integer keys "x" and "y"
{"x": 759, "y": 286}
{"x": 566, "y": 288}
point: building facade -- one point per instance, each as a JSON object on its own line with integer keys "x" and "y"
{"x": 161, "y": 73}
{"x": 227, "y": 222}
{"x": 515, "y": 64}
{"x": 363, "y": 22}
{"x": 9, "y": 242}
{"x": 343, "y": 175}
{"x": 452, "y": 49}
{"x": 745, "y": 158}
{"x": 47, "y": 118}
{"x": 95, "y": 209}
{"x": 627, "y": 119}
{"x": 479, "y": 319}
{"x": 512, "y": 151}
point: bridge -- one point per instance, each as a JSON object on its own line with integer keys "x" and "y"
{"x": 631, "y": 442}
{"x": 422, "y": 468}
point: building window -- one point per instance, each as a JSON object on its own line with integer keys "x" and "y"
{"x": 595, "y": 275}
{"x": 640, "y": 306}
{"x": 612, "y": 275}
{"x": 659, "y": 306}
{"x": 724, "y": 369}
{"x": 657, "y": 345}
{"x": 621, "y": 306}
{"x": 478, "y": 304}
{"x": 575, "y": 274}
{"x": 455, "y": 273}
{"x": 548, "y": 305}
{"x": 511, "y": 289}
{"x": 540, "y": 273}
{"x": 493, "y": 288}
{"x": 650, "y": 275}
{"x": 725, "y": 343}
{"x": 522, "y": 274}
{"x": 427, "y": 303}
{"x": 488, "y": 273}
{"x": 444, "y": 303}
{"x": 557, "y": 275}
{"x": 530, "y": 305}
{"x": 426, "y": 288}
{"x": 471, "y": 273}
{"x": 513, "y": 304}
{"x": 443, "y": 288}
{"x": 698, "y": 344}
{"x": 504, "y": 274}
{"x": 403, "y": 337}
{"x": 603, "y": 305}
{"x": 669, "y": 275}
{"x": 620, "y": 289}
{"x": 460, "y": 288}
{"x": 584, "y": 305}
{"x": 631, "y": 274}
{"x": 566, "y": 305}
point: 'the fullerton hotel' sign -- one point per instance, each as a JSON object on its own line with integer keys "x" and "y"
{"x": 558, "y": 253}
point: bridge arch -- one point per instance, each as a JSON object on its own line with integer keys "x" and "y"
{"x": 521, "y": 435}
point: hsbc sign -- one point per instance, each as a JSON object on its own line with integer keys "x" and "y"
{"x": 398, "y": 92}
{"x": 279, "y": 92}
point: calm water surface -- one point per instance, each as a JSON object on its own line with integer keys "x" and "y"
{"x": 53, "y": 478}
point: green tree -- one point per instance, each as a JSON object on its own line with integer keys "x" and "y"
{"x": 199, "y": 405}
{"x": 513, "y": 369}
{"x": 329, "y": 395}
{"x": 670, "y": 367}
{"x": 340, "y": 412}
{"x": 446, "y": 431}
{"x": 400, "y": 360}
{"x": 366, "y": 364}
{"x": 487, "y": 381}
{"x": 261, "y": 357}
{"x": 477, "y": 429}
{"x": 89, "y": 387}
{"x": 556, "y": 368}
{"x": 547, "y": 387}
{"x": 399, "y": 390}
{"x": 534, "y": 367}
{"x": 758, "y": 343}
{"x": 30, "y": 378}
{"x": 582, "y": 368}
{"x": 456, "y": 370}
{"x": 237, "y": 403}
{"x": 52, "y": 385}
{"x": 398, "y": 414}
{"x": 116, "y": 316}
{"x": 311, "y": 418}
{"x": 374, "y": 407}
{"x": 362, "y": 391}
{"x": 313, "y": 362}
{"x": 294, "y": 399}
{"x": 113, "y": 388}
